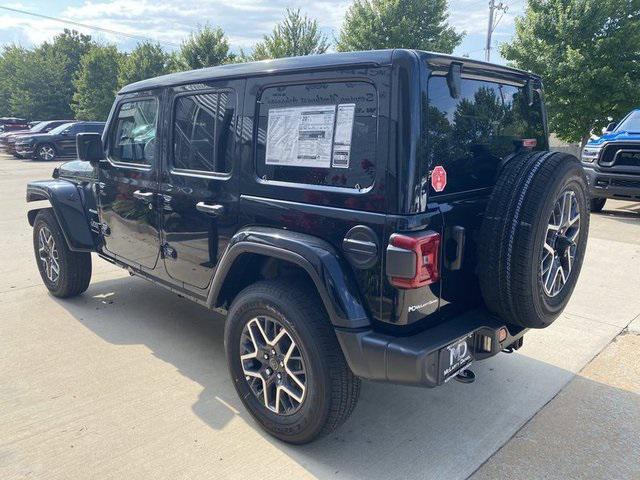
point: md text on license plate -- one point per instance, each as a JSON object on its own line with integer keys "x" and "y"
{"x": 456, "y": 356}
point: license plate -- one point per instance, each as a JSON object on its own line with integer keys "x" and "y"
{"x": 455, "y": 356}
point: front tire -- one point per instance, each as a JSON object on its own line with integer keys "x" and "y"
{"x": 597, "y": 204}
{"x": 46, "y": 152}
{"x": 64, "y": 273}
{"x": 279, "y": 340}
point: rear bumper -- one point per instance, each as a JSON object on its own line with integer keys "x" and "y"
{"x": 415, "y": 360}
{"x": 604, "y": 184}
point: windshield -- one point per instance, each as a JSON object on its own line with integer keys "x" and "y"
{"x": 470, "y": 135}
{"x": 60, "y": 128}
{"x": 38, "y": 127}
{"x": 631, "y": 123}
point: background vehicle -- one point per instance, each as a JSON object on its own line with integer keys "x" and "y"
{"x": 391, "y": 215}
{"x": 9, "y": 124}
{"x": 612, "y": 162}
{"x": 8, "y": 139}
{"x": 58, "y": 142}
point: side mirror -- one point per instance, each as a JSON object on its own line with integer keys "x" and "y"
{"x": 610, "y": 127}
{"x": 89, "y": 146}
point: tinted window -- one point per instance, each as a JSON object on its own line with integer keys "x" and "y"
{"x": 318, "y": 134}
{"x": 471, "y": 134}
{"x": 133, "y": 138}
{"x": 203, "y": 132}
{"x": 87, "y": 127}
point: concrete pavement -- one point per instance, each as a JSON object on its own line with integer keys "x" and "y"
{"x": 129, "y": 381}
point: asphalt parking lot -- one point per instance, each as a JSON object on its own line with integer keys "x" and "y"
{"x": 129, "y": 381}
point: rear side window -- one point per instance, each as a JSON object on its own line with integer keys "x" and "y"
{"x": 318, "y": 134}
{"x": 203, "y": 132}
{"x": 133, "y": 137}
{"x": 470, "y": 135}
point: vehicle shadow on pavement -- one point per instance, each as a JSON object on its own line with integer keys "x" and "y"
{"x": 395, "y": 431}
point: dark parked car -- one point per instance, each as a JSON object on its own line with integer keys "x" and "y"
{"x": 10, "y": 124}
{"x": 59, "y": 142}
{"x": 391, "y": 215}
{"x": 8, "y": 139}
{"x": 612, "y": 162}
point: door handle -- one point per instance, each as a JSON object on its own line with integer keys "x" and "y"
{"x": 215, "y": 210}
{"x": 145, "y": 196}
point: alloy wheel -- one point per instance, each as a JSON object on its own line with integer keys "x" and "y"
{"x": 48, "y": 254}
{"x": 46, "y": 152}
{"x": 560, "y": 244}
{"x": 273, "y": 365}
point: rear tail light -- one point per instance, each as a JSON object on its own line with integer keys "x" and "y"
{"x": 413, "y": 261}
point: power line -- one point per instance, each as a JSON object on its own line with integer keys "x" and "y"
{"x": 92, "y": 27}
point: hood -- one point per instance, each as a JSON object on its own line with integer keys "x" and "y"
{"x": 13, "y": 132}
{"x": 35, "y": 136}
{"x": 77, "y": 170}
{"x": 617, "y": 136}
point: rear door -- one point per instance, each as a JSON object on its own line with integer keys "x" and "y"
{"x": 199, "y": 184}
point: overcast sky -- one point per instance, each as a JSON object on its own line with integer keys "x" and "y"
{"x": 244, "y": 21}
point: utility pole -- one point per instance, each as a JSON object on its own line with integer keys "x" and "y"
{"x": 493, "y": 23}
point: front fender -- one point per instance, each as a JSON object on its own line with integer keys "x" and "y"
{"x": 66, "y": 200}
{"x": 329, "y": 272}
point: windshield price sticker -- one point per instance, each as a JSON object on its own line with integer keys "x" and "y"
{"x": 300, "y": 136}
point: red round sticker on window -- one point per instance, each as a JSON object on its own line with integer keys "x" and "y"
{"x": 438, "y": 178}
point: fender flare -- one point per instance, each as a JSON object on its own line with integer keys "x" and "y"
{"x": 67, "y": 205}
{"x": 328, "y": 271}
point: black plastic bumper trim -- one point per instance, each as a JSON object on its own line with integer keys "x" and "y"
{"x": 414, "y": 360}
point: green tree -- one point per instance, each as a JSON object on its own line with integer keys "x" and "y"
{"x": 587, "y": 54}
{"x": 376, "y": 24}
{"x": 38, "y": 83}
{"x": 147, "y": 60}
{"x": 295, "y": 35}
{"x": 96, "y": 83}
{"x": 207, "y": 47}
{"x": 10, "y": 59}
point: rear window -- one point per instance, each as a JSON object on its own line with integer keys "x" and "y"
{"x": 470, "y": 135}
{"x": 318, "y": 134}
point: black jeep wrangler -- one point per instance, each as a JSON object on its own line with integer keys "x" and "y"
{"x": 389, "y": 215}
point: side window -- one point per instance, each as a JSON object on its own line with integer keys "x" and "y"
{"x": 203, "y": 132}
{"x": 133, "y": 138}
{"x": 318, "y": 134}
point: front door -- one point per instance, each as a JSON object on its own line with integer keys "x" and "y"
{"x": 127, "y": 183}
{"x": 199, "y": 187}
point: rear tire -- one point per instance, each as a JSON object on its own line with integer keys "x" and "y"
{"x": 330, "y": 389}
{"x": 597, "y": 204}
{"x": 65, "y": 273}
{"x": 533, "y": 238}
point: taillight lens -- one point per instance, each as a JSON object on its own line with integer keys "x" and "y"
{"x": 426, "y": 249}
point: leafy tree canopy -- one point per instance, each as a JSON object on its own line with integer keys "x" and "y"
{"x": 377, "y": 24}
{"x": 207, "y": 47}
{"x": 295, "y": 35}
{"x": 147, "y": 60}
{"x": 96, "y": 83}
{"x": 587, "y": 54}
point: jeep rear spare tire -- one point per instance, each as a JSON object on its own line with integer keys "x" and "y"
{"x": 533, "y": 238}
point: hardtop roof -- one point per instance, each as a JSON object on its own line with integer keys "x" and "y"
{"x": 306, "y": 63}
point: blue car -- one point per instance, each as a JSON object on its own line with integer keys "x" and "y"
{"x": 612, "y": 162}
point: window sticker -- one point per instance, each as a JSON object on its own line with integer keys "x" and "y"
{"x": 300, "y": 136}
{"x": 342, "y": 138}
